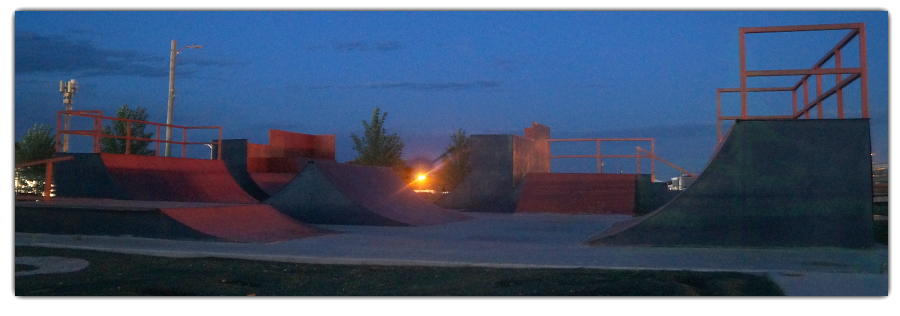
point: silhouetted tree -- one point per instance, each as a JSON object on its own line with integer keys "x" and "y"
{"x": 38, "y": 143}
{"x": 376, "y": 147}
{"x": 119, "y": 128}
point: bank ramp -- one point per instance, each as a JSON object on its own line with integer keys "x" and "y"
{"x": 344, "y": 194}
{"x": 770, "y": 183}
{"x": 161, "y": 220}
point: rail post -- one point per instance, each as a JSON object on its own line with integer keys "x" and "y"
{"x": 48, "y": 182}
{"x": 128, "y": 137}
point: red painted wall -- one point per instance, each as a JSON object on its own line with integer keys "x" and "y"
{"x": 284, "y": 147}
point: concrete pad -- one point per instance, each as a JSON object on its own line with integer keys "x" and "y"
{"x": 47, "y": 265}
{"x": 831, "y": 284}
{"x": 502, "y": 240}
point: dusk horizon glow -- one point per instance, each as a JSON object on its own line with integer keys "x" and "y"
{"x": 584, "y": 74}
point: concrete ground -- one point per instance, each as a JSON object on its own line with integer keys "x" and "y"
{"x": 523, "y": 240}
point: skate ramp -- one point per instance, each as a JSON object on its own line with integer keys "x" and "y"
{"x": 578, "y": 193}
{"x": 150, "y": 178}
{"x": 272, "y": 182}
{"x": 162, "y": 220}
{"x": 242, "y": 223}
{"x": 771, "y": 183}
{"x": 343, "y": 194}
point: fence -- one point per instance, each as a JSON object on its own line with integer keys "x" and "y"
{"x": 640, "y": 153}
{"x": 97, "y": 132}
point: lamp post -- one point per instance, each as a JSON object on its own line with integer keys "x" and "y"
{"x": 172, "y": 91}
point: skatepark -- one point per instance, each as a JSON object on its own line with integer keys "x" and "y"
{"x": 757, "y": 207}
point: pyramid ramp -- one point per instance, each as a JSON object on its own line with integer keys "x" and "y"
{"x": 343, "y": 194}
{"x": 771, "y": 183}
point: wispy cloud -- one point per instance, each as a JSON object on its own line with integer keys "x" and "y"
{"x": 36, "y": 53}
{"x": 359, "y": 46}
{"x": 437, "y": 86}
{"x": 417, "y": 86}
{"x": 507, "y": 65}
{"x": 679, "y": 130}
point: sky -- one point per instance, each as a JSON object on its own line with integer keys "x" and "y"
{"x": 584, "y": 74}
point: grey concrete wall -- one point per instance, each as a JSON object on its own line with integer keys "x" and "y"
{"x": 499, "y": 165}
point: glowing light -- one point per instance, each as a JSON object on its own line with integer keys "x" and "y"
{"x": 421, "y": 177}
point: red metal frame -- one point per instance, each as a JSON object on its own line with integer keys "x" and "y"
{"x": 97, "y": 133}
{"x": 599, "y": 156}
{"x": 861, "y": 73}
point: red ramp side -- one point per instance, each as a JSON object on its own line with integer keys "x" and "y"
{"x": 174, "y": 179}
{"x": 578, "y": 193}
{"x": 243, "y": 223}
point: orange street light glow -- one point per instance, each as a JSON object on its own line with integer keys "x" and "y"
{"x": 421, "y": 177}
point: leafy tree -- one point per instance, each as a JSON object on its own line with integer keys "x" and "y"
{"x": 119, "y": 128}
{"x": 455, "y": 161}
{"x": 376, "y": 147}
{"x": 39, "y": 143}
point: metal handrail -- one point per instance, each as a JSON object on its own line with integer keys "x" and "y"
{"x": 654, "y": 156}
{"x": 857, "y": 30}
{"x": 599, "y": 156}
{"x": 48, "y": 182}
{"x": 97, "y": 132}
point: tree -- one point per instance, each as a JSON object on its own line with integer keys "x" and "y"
{"x": 455, "y": 165}
{"x": 376, "y": 147}
{"x": 39, "y": 143}
{"x": 119, "y": 128}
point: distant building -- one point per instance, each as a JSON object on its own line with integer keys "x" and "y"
{"x": 681, "y": 182}
{"x": 880, "y": 182}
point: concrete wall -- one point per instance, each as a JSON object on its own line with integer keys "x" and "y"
{"x": 499, "y": 165}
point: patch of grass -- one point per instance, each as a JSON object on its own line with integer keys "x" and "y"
{"x": 112, "y": 274}
{"x": 880, "y": 208}
{"x": 880, "y": 230}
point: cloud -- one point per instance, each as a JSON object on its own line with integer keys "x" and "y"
{"x": 36, "y": 53}
{"x": 436, "y": 86}
{"x": 592, "y": 86}
{"x": 683, "y": 130}
{"x": 507, "y": 65}
{"x": 363, "y": 46}
{"x": 416, "y": 86}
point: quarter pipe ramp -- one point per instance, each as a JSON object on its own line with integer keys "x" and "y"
{"x": 771, "y": 183}
{"x": 148, "y": 178}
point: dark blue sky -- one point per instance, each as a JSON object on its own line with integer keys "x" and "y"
{"x": 583, "y": 74}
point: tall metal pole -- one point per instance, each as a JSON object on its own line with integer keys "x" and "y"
{"x": 171, "y": 97}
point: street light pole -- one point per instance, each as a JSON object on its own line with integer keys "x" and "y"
{"x": 171, "y": 97}
{"x": 171, "y": 108}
